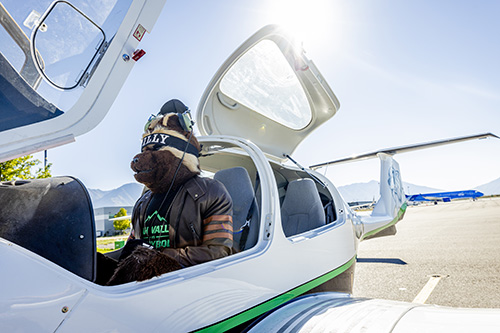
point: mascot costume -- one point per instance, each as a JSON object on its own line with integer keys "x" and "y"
{"x": 182, "y": 219}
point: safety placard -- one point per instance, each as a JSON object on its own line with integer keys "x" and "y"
{"x": 139, "y": 32}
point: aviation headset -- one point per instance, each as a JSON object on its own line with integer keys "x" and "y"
{"x": 184, "y": 116}
{"x": 182, "y": 111}
{"x": 177, "y": 107}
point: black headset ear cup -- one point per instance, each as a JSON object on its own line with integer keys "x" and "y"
{"x": 185, "y": 121}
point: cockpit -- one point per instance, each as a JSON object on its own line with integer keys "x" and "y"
{"x": 247, "y": 130}
{"x": 54, "y": 217}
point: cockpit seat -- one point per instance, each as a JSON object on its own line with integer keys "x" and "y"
{"x": 245, "y": 210}
{"x": 302, "y": 209}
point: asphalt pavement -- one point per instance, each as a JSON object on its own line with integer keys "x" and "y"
{"x": 446, "y": 254}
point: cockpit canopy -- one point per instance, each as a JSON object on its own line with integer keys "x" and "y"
{"x": 268, "y": 92}
{"x": 62, "y": 65}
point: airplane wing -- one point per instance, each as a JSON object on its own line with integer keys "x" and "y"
{"x": 416, "y": 197}
{"x": 404, "y": 149}
{"x": 392, "y": 204}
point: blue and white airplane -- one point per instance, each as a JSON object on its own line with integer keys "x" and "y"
{"x": 444, "y": 196}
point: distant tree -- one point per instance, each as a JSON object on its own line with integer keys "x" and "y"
{"x": 121, "y": 225}
{"x": 22, "y": 168}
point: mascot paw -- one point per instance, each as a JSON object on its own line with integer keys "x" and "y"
{"x": 143, "y": 264}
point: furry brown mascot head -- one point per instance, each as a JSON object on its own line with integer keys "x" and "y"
{"x": 169, "y": 154}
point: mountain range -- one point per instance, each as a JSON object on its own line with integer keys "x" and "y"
{"x": 127, "y": 194}
{"x": 490, "y": 188}
{"x": 123, "y": 196}
{"x": 370, "y": 191}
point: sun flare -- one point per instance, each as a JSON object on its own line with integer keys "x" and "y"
{"x": 309, "y": 21}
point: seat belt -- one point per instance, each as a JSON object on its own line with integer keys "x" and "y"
{"x": 245, "y": 229}
{"x": 329, "y": 215}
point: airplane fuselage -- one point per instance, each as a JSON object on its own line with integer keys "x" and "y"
{"x": 445, "y": 196}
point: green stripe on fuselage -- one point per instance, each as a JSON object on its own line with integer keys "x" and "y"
{"x": 277, "y": 301}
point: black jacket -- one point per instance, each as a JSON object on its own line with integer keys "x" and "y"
{"x": 200, "y": 221}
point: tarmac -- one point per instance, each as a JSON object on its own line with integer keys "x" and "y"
{"x": 446, "y": 254}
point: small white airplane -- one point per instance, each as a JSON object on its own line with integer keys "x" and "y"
{"x": 298, "y": 238}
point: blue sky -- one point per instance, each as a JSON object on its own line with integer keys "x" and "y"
{"x": 404, "y": 72}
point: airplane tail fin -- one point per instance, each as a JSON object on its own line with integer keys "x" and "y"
{"x": 392, "y": 203}
{"x": 391, "y": 206}
{"x": 392, "y": 194}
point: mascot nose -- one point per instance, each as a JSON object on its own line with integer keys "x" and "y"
{"x": 135, "y": 160}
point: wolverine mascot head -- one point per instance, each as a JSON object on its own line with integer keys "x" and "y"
{"x": 169, "y": 152}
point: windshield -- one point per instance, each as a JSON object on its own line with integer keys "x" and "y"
{"x": 69, "y": 38}
{"x": 263, "y": 80}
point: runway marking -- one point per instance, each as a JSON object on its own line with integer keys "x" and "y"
{"x": 426, "y": 291}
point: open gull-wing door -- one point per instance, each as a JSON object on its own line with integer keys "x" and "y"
{"x": 268, "y": 92}
{"x": 60, "y": 82}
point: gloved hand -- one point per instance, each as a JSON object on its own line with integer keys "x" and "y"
{"x": 131, "y": 246}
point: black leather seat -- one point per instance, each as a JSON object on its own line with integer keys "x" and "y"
{"x": 53, "y": 218}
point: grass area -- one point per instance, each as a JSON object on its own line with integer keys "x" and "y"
{"x": 104, "y": 250}
{"x": 107, "y": 244}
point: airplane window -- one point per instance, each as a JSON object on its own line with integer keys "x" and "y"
{"x": 301, "y": 209}
{"x": 300, "y": 212}
{"x": 238, "y": 174}
{"x": 263, "y": 80}
{"x": 66, "y": 45}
